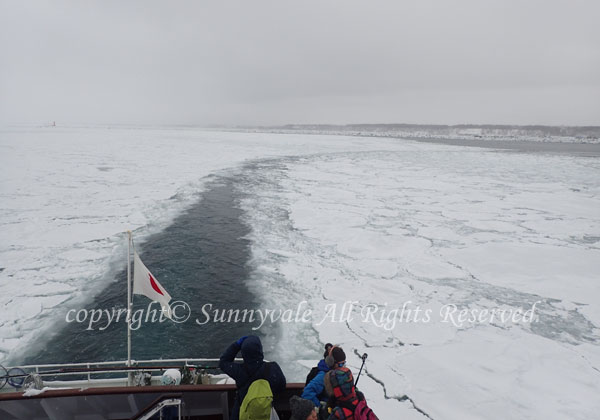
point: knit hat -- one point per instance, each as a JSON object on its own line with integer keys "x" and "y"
{"x": 338, "y": 354}
{"x": 300, "y": 408}
{"x": 335, "y": 356}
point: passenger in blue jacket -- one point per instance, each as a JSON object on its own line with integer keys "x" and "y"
{"x": 315, "y": 389}
{"x": 251, "y": 369}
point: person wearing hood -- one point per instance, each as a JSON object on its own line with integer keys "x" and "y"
{"x": 253, "y": 368}
{"x": 315, "y": 389}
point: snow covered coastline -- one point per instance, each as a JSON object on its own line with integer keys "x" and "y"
{"x": 505, "y": 133}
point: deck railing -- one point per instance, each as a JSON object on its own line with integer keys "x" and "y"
{"x": 92, "y": 371}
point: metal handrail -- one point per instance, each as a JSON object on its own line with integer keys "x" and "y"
{"x": 117, "y": 366}
{"x": 116, "y": 362}
{"x": 158, "y": 404}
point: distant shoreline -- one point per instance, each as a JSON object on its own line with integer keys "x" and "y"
{"x": 526, "y": 139}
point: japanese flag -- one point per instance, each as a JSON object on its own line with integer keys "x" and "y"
{"x": 145, "y": 284}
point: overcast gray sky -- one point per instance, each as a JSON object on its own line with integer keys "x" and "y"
{"x": 276, "y": 62}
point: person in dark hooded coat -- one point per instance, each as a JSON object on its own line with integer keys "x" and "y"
{"x": 253, "y": 368}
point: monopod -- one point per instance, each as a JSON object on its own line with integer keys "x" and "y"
{"x": 363, "y": 357}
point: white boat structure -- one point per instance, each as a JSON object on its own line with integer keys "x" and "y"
{"x": 117, "y": 391}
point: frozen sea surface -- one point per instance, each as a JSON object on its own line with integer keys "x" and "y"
{"x": 430, "y": 226}
{"x": 376, "y": 223}
{"x": 69, "y": 194}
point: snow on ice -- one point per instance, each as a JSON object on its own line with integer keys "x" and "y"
{"x": 377, "y": 223}
{"x": 429, "y": 226}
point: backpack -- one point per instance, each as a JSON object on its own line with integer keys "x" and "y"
{"x": 361, "y": 410}
{"x": 258, "y": 402}
{"x": 311, "y": 375}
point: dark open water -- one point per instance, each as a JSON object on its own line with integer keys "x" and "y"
{"x": 200, "y": 258}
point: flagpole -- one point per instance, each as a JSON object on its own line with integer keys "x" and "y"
{"x": 129, "y": 301}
